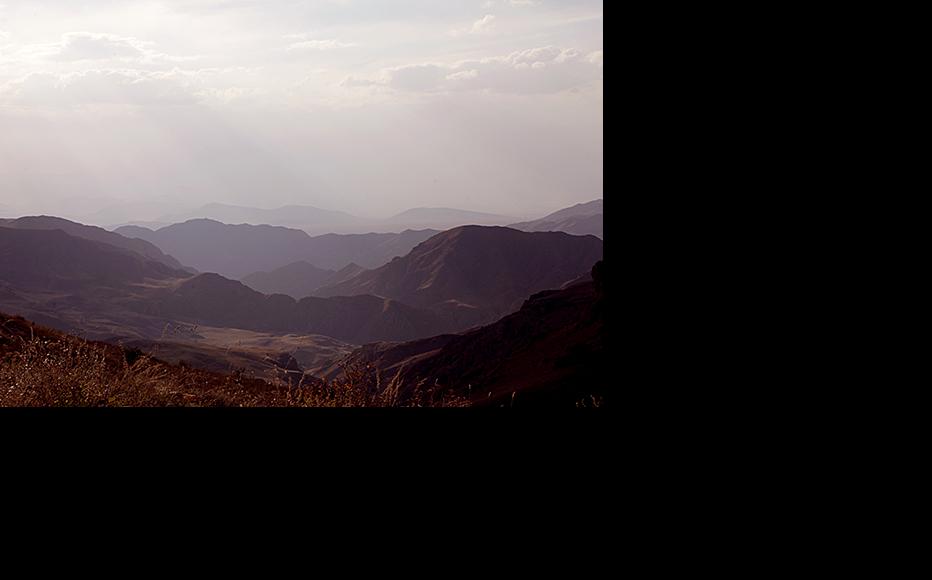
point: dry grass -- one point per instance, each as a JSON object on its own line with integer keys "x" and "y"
{"x": 41, "y": 368}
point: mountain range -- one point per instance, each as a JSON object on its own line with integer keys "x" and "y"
{"x": 93, "y": 233}
{"x": 103, "y": 290}
{"x": 236, "y": 251}
{"x": 475, "y": 271}
{"x": 489, "y": 313}
{"x": 317, "y": 221}
{"x": 580, "y": 219}
{"x": 298, "y": 279}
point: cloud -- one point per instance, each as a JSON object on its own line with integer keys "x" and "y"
{"x": 77, "y": 46}
{"x": 353, "y": 82}
{"x": 328, "y": 44}
{"x": 484, "y": 25}
{"x": 93, "y": 47}
{"x": 516, "y": 3}
{"x": 99, "y": 87}
{"x": 465, "y": 75}
{"x": 418, "y": 77}
{"x": 595, "y": 58}
{"x": 546, "y": 69}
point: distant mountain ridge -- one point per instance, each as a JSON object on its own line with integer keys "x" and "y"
{"x": 298, "y": 280}
{"x": 94, "y": 233}
{"x": 291, "y": 215}
{"x": 317, "y": 221}
{"x": 454, "y": 281}
{"x": 580, "y": 219}
{"x": 445, "y": 217}
{"x": 102, "y": 291}
{"x": 52, "y": 260}
{"x": 236, "y": 251}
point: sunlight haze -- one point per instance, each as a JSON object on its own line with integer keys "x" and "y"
{"x": 130, "y": 110}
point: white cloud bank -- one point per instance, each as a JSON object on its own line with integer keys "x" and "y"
{"x": 547, "y": 69}
{"x": 361, "y": 105}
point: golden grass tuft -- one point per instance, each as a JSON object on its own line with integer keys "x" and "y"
{"x": 52, "y": 370}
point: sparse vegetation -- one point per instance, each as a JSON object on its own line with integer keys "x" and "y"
{"x": 42, "y": 368}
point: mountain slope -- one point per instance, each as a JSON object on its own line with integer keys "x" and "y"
{"x": 552, "y": 351}
{"x": 140, "y": 246}
{"x": 216, "y": 301}
{"x": 580, "y": 219}
{"x": 297, "y": 280}
{"x": 236, "y": 251}
{"x": 488, "y": 269}
{"x": 102, "y": 291}
{"x": 54, "y": 260}
{"x": 41, "y": 367}
{"x": 576, "y": 225}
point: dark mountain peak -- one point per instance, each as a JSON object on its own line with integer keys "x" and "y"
{"x": 490, "y": 269}
{"x": 53, "y": 259}
{"x": 96, "y": 234}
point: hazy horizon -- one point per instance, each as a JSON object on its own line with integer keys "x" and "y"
{"x": 362, "y": 106}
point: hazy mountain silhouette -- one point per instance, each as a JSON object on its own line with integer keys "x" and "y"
{"x": 443, "y": 218}
{"x": 551, "y": 351}
{"x": 236, "y": 251}
{"x": 213, "y": 300}
{"x": 318, "y": 221}
{"x": 490, "y": 270}
{"x": 580, "y": 219}
{"x": 454, "y": 281}
{"x": 297, "y": 280}
{"x": 292, "y": 215}
{"x": 51, "y": 260}
{"x": 93, "y": 233}
{"x": 345, "y": 274}
{"x": 101, "y": 291}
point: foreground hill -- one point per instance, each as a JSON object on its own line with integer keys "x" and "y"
{"x": 139, "y": 246}
{"x": 581, "y": 219}
{"x": 551, "y": 352}
{"x": 40, "y": 367}
{"x": 490, "y": 270}
{"x": 236, "y": 251}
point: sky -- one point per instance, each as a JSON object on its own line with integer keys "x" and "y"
{"x": 365, "y": 106}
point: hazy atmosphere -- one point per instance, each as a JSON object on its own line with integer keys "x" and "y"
{"x": 372, "y": 107}
{"x": 316, "y": 203}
